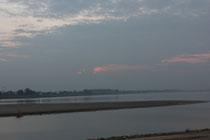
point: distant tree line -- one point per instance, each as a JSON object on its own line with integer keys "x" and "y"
{"x": 28, "y": 93}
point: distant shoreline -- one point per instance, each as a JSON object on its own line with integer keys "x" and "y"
{"x": 20, "y": 110}
{"x": 30, "y": 94}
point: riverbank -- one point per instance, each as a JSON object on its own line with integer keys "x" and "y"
{"x": 38, "y": 109}
{"x": 203, "y": 134}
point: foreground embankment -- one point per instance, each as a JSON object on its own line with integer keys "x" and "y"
{"x": 35, "y": 109}
{"x": 203, "y": 134}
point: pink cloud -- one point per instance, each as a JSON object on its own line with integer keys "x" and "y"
{"x": 188, "y": 58}
{"x": 12, "y": 55}
{"x": 17, "y": 56}
{"x": 79, "y": 73}
{"x": 3, "y": 60}
{"x": 82, "y": 71}
{"x": 117, "y": 67}
{"x": 6, "y": 57}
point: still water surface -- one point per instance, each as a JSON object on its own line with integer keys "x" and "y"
{"x": 83, "y": 125}
{"x": 113, "y": 98}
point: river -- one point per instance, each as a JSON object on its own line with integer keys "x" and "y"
{"x": 84, "y": 125}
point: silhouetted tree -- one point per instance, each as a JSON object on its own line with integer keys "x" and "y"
{"x": 20, "y": 92}
{"x": 28, "y": 91}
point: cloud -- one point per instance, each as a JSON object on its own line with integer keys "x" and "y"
{"x": 183, "y": 58}
{"x": 9, "y": 43}
{"x": 188, "y": 58}
{"x": 17, "y": 56}
{"x": 79, "y": 73}
{"x": 6, "y": 57}
{"x": 117, "y": 67}
{"x": 39, "y": 17}
{"x": 3, "y": 60}
{"x": 82, "y": 71}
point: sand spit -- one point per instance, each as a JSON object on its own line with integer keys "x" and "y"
{"x": 36, "y": 109}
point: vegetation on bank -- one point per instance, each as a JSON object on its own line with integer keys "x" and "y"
{"x": 187, "y": 131}
{"x": 28, "y": 93}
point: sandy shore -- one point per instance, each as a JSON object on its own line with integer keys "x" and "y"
{"x": 203, "y": 134}
{"x": 35, "y": 109}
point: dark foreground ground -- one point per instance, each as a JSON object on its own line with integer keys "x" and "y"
{"x": 36, "y": 109}
{"x": 203, "y": 134}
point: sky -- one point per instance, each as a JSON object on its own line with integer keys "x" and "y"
{"x": 53, "y": 45}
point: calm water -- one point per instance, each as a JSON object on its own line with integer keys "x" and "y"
{"x": 111, "y": 98}
{"x": 80, "y": 126}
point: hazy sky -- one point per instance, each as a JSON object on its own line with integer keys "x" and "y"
{"x": 119, "y": 44}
